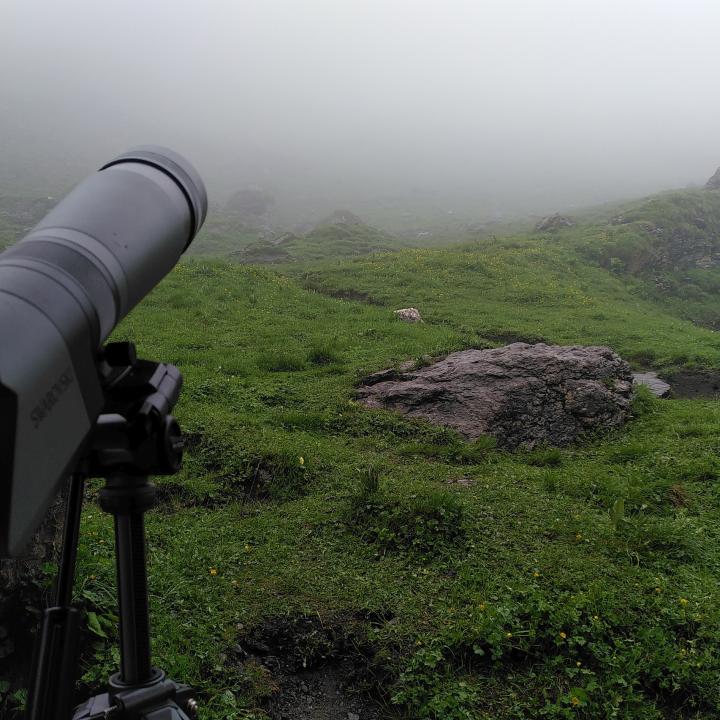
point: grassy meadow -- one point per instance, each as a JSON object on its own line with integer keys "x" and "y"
{"x": 459, "y": 581}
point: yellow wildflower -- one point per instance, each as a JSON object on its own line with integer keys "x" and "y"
{"x": 508, "y": 635}
{"x": 302, "y": 460}
{"x": 213, "y": 571}
{"x": 575, "y": 700}
{"x": 563, "y": 635}
{"x": 683, "y": 601}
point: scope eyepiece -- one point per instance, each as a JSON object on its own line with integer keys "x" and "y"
{"x": 180, "y": 170}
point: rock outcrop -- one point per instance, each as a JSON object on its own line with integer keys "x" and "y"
{"x": 714, "y": 182}
{"x": 340, "y": 217}
{"x": 523, "y": 395}
{"x": 553, "y": 223}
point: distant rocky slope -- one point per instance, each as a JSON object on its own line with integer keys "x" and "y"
{"x": 668, "y": 232}
{"x": 714, "y": 182}
{"x": 341, "y": 234}
{"x": 553, "y": 223}
{"x": 251, "y": 206}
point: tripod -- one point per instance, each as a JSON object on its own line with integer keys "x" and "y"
{"x": 136, "y": 436}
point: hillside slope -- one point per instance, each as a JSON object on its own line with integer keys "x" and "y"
{"x": 457, "y": 581}
{"x": 533, "y": 289}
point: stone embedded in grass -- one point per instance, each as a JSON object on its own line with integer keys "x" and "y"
{"x": 650, "y": 380}
{"x": 411, "y": 315}
{"x": 523, "y": 395}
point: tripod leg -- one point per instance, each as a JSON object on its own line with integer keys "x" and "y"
{"x": 53, "y": 681}
{"x": 127, "y": 498}
{"x": 133, "y": 599}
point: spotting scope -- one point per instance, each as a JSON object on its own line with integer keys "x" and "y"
{"x": 63, "y": 288}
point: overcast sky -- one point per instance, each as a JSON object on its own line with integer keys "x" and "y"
{"x": 503, "y": 102}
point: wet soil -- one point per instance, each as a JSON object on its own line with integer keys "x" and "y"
{"x": 319, "y": 670}
{"x": 692, "y": 384}
{"x": 320, "y": 694}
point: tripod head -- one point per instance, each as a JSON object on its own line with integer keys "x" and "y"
{"x": 135, "y": 435}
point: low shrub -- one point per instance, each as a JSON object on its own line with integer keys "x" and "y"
{"x": 421, "y": 525}
{"x": 322, "y": 355}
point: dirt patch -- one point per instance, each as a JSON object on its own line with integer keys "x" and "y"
{"x": 317, "y": 670}
{"x": 321, "y": 694}
{"x": 692, "y": 384}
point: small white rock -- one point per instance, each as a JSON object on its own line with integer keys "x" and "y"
{"x": 411, "y": 315}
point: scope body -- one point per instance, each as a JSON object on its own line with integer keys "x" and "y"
{"x": 63, "y": 288}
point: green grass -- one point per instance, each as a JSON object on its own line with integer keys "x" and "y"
{"x": 528, "y": 590}
{"x": 523, "y": 289}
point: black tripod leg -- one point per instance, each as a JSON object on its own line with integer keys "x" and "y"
{"x": 68, "y": 558}
{"x": 53, "y": 679}
{"x": 127, "y": 498}
{"x": 135, "y": 665}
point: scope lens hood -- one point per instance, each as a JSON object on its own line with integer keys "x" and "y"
{"x": 180, "y": 170}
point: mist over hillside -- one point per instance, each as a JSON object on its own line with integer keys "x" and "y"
{"x": 484, "y": 111}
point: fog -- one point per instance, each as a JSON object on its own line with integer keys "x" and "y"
{"x": 488, "y": 108}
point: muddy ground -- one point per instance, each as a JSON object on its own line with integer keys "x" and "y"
{"x": 321, "y": 694}
{"x": 317, "y": 670}
{"x": 693, "y": 383}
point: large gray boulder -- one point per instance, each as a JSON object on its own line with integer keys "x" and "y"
{"x": 523, "y": 395}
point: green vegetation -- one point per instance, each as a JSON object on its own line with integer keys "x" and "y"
{"x": 523, "y": 289}
{"x": 463, "y": 581}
